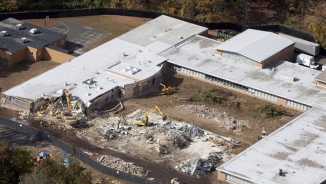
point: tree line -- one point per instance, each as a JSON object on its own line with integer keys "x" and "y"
{"x": 291, "y": 13}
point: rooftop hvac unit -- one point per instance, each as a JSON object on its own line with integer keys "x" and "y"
{"x": 33, "y": 30}
{"x": 288, "y": 78}
{"x": 3, "y": 33}
{"x": 19, "y": 26}
{"x": 23, "y": 40}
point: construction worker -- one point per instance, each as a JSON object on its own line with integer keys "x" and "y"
{"x": 41, "y": 123}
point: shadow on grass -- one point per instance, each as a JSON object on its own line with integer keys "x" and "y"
{"x": 6, "y": 71}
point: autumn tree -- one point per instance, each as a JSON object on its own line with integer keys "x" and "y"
{"x": 14, "y": 162}
{"x": 54, "y": 171}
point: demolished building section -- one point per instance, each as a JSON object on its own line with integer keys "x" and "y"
{"x": 122, "y": 68}
{"x": 93, "y": 78}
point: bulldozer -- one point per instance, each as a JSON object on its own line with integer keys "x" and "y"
{"x": 144, "y": 120}
{"x": 166, "y": 90}
{"x": 68, "y": 118}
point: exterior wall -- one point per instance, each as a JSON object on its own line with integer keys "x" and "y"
{"x": 60, "y": 42}
{"x": 142, "y": 87}
{"x": 205, "y": 33}
{"x": 218, "y": 52}
{"x": 240, "y": 88}
{"x": 259, "y": 65}
{"x": 129, "y": 90}
{"x": 238, "y": 57}
{"x": 56, "y": 56}
{"x": 221, "y": 176}
{"x": 10, "y": 59}
{"x": 34, "y": 54}
{"x": 320, "y": 83}
{"x": 281, "y": 101}
{"x": 16, "y": 103}
{"x": 285, "y": 54}
{"x": 105, "y": 98}
{"x": 5, "y": 58}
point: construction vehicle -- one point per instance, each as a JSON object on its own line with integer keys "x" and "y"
{"x": 144, "y": 120}
{"x": 68, "y": 118}
{"x": 166, "y": 90}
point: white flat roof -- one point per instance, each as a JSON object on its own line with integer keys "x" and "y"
{"x": 299, "y": 40}
{"x": 256, "y": 45}
{"x": 198, "y": 54}
{"x": 115, "y": 55}
{"x": 163, "y": 29}
{"x": 300, "y": 152}
{"x": 298, "y": 148}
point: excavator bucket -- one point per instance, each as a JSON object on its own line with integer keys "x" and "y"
{"x": 163, "y": 118}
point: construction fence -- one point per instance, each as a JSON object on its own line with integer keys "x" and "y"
{"x": 37, "y": 134}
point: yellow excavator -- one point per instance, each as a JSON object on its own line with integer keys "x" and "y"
{"x": 69, "y": 119}
{"x": 144, "y": 120}
{"x": 166, "y": 90}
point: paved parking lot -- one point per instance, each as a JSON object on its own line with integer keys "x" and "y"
{"x": 79, "y": 36}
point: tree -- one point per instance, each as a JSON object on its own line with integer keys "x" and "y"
{"x": 14, "y": 162}
{"x": 53, "y": 171}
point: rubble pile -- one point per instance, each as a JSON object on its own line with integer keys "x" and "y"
{"x": 222, "y": 118}
{"x": 200, "y": 166}
{"x": 121, "y": 165}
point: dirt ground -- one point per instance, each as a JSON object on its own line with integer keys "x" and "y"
{"x": 189, "y": 88}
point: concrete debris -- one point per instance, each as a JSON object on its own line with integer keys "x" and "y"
{"x": 222, "y": 118}
{"x": 193, "y": 130}
{"x": 200, "y": 166}
{"x": 121, "y": 165}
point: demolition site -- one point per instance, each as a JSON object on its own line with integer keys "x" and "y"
{"x": 172, "y": 103}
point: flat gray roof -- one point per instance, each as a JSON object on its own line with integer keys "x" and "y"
{"x": 256, "y": 45}
{"x": 198, "y": 54}
{"x": 11, "y": 43}
{"x": 164, "y": 29}
{"x": 117, "y": 55}
{"x": 299, "y": 40}
{"x": 298, "y": 148}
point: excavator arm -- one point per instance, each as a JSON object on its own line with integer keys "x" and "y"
{"x": 69, "y": 119}
{"x": 143, "y": 121}
{"x": 66, "y": 93}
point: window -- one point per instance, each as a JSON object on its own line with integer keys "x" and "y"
{"x": 39, "y": 53}
{"x": 30, "y": 53}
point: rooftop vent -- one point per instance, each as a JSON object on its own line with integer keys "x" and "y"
{"x": 19, "y": 26}
{"x": 33, "y": 31}
{"x": 23, "y": 40}
{"x": 130, "y": 70}
{"x": 180, "y": 37}
{"x": 3, "y": 33}
{"x": 288, "y": 78}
